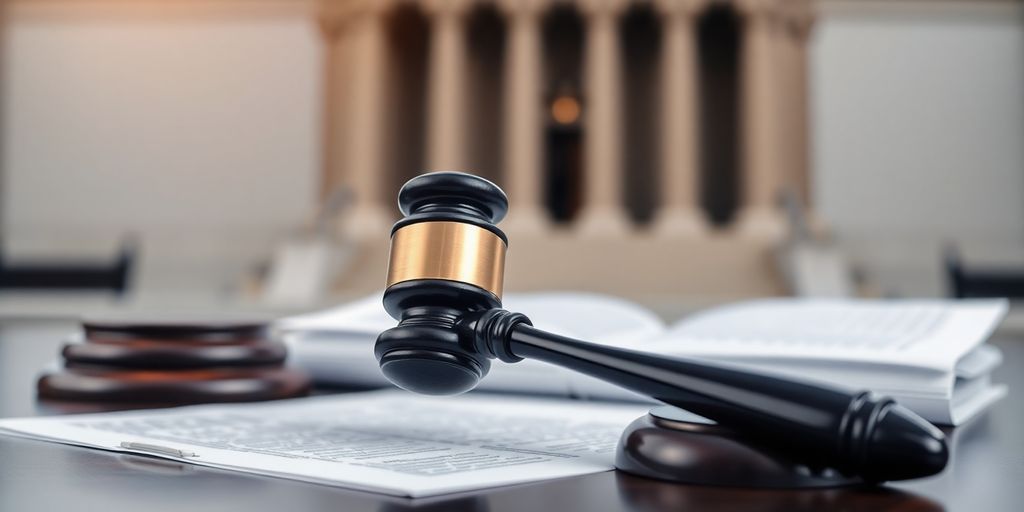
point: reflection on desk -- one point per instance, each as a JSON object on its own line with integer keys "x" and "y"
{"x": 647, "y": 495}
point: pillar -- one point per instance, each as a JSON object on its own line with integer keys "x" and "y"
{"x": 802, "y": 26}
{"x": 332, "y": 23}
{"x": 679, "y": 213}
{"x": 603, "y": 211}
{"x": 788, "y": 99}
{"x": 523, "y": 130}
{"x": 761, "y": 157}
{"x": 446, "y": 95}
{"x": 367, "y": 216}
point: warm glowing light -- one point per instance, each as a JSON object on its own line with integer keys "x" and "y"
{"x": 565, "y": 110}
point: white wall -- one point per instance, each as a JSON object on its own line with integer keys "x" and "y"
{"x": 195, "y": 125}
{"x": 919, "y": 130}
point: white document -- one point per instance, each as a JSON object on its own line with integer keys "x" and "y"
{"x": 391, "y": 442}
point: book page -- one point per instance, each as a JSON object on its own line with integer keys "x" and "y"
{"x": 916, "y": 333}
{"x": 588, "y": 316}
{"x": 365, "y": 315}
{"x": 336, "y": 345}
{"x": 388, "y": 441}
{"x": 581, "y": 315}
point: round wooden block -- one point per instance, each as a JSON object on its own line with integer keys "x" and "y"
{"x": 174, "y": 387}
{"x": 672, "y": 444}
{"x": 160, "y": 355}
{"x": 183, "y": 329}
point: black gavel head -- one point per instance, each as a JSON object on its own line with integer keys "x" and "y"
{"x": 447, "y": 259}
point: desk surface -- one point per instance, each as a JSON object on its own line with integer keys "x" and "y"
{"x": 986, "y": 472}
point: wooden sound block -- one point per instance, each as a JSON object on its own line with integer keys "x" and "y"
{"x": 672, "y": 444}
{"x": 163, "y": 355}
{"x": 174, "y": 387}
{"x": 180, "y": 330}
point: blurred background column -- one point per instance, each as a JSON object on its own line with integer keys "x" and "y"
{"x": 761, "y": 129}
{"x": 523, "y": 131}
{"x": 784, "y": 55}
{"x": 332, "y": 18}
{"x": 603, "y": 211}
{"x": 446, "y": 86}
{"x": 791, "y": 57}
{"x": 365, "y": 176}
{"x": 679, "y": 213}
{"x": 801, "y": 24}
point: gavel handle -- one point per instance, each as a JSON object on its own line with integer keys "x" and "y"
{"x": 854, "y": 432}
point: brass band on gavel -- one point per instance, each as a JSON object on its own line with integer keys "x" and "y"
{"x": 453, "y": 251}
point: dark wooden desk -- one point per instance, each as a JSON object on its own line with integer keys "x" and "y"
{"x": 986, "y": 474}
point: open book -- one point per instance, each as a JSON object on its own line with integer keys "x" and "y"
{"x": 928, "y": 354}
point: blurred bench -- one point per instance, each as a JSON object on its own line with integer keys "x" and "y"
{"x": 982, "y": 282}
{"x": 71, "y": 275}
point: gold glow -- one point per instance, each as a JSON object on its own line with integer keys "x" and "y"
{"x": 565, "y": 110}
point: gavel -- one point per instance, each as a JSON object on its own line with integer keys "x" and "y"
{"x": 444, "y": 287}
